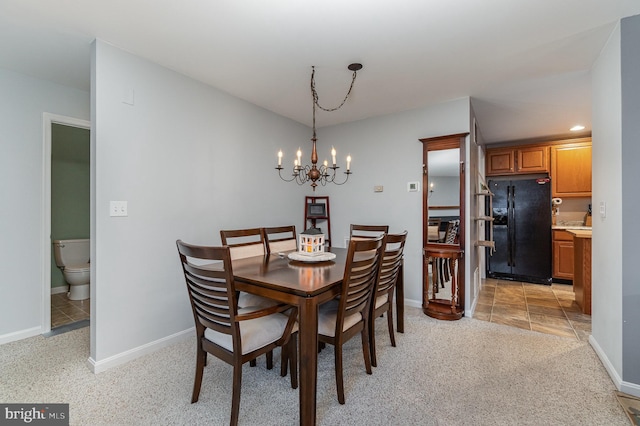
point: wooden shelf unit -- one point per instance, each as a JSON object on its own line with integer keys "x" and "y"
{"x": 487, "y": 219}
{"x": 311, "y": 221}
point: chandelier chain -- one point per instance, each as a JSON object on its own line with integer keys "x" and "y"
{"x": 315, "y": 93}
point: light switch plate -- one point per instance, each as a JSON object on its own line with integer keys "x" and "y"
{"x": 378, "y": 188}
{"x": 118, "y": 208}
{"x": 603, "y": 209}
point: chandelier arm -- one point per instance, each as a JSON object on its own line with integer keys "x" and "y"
{"x": 341, "y": 183}
{"x": 279, "y": 169}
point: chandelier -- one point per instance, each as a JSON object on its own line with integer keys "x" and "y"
{"x": 324, "y": 173}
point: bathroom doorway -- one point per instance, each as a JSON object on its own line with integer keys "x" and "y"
{"x": 66, "y": 213}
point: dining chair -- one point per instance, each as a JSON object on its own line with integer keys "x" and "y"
{"x": 230, "y": 333}
{"x": 367, "y": 231}
{"x": 341, "y": 319}
{"x": 244, "y": 243}
{"x": 385, "y": 287}
{"x": 279, "y": 239}
{"x": 433, "y": 233}
{"x": 450, "y": 237}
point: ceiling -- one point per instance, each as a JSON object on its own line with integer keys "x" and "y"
{"x": 525, "y": 64}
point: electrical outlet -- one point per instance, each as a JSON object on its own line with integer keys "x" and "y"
{"x": 118, "y": 208}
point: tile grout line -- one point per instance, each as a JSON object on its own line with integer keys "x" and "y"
{"x": 565, "y": 314}
{"x": 526, "y": 305}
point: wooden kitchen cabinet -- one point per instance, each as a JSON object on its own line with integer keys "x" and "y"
{"x": 571, "y": 170}
{"x": 517, "y": 160}
{"x": 563, "y": 262}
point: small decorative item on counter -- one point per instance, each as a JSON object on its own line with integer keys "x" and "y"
{"x": 311, "y": 242}
{"x": 587, "y": 217}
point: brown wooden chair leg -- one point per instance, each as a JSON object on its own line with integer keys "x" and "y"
{"x": 293, "y": 359}
{"x": 338, "y": 368}
{"x": 372, "y": 343}
{"x": 269, "y": 360}
{"x": 365, "y": 348}
{"x": 235, "y": 398}
{"x": 392, "y": 335}
{"x": 284, "y": 361}
{"x": 201, "y": 358}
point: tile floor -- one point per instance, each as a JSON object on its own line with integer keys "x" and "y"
{"x": 65, "y": 311}
{"x": 542, "y": 308}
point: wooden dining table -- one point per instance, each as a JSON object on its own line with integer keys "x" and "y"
{"x": 305, "y": 285}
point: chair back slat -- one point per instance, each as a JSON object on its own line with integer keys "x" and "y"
{"x": 279, "y": 239}
{"x": 243, "y": 242}
{"x": 391, "y": 261}
{"x": 210, "y": 286}
{"x": 367, "y": 231}
{"x": 361, "y": 270}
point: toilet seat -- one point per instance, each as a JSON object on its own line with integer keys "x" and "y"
{"x": 77, "y": 268}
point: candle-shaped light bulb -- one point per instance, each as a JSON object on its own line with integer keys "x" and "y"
{"x": 295, "y": 163}
{"x": 348, "y": 162}
{"x": 279, "y": 158}
{"x": 299, "y": 157}
{"x": 333, "y": 155}
{"x": 326, "y": 164}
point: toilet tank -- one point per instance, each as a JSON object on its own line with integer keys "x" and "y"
{"x": 71, "y": 252}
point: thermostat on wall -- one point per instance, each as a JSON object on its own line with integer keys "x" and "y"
{"x": 413, "y": 186}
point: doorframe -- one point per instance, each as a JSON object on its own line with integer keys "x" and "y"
{"x": 48, "y": 120}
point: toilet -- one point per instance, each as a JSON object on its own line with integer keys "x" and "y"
{"x": 72, "y": 257}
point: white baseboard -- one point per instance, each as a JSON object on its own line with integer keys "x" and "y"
{"x": 617, "y": 380}
{"x": 19, "y": 335}
{"x": 413, "y": 303}
{"x": 121, "y": 358}
{"x": 60, "y": 289}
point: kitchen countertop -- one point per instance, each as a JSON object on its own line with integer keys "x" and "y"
{"x": 570, "y": 227}
{"x": 580, "y": 233}
{"x": 570, "y": 224}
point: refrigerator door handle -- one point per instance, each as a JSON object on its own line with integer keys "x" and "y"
{"x": 509, "y": 225}
{"x": 513, "y": 227}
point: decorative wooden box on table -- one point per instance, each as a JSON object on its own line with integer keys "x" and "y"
{"x": 582, "y": 268}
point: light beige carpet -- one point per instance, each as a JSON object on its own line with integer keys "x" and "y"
{"x": 466, "y": 372}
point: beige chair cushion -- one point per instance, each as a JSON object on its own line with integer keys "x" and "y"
{"x": 240, "y": 252}
{"x": 327, "y": 316}
{"x": 254, "y": 333}
{"x": 248, "y": 300}
{"x": 282, "y": 246}
{"x": 433, "y": 233}
{"x": 381, "y": 300}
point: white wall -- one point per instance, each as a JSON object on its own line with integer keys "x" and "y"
{"x": 22, "y": 104}
{"x": 189, "y": 160}
{"x": 616, "y": 289}
{"x": 607, "y": 187}
{"x": 387, "y": 151}
{"x": 630, "y": 154}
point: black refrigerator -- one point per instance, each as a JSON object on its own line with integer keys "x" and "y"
{"x": 521, "y": 230}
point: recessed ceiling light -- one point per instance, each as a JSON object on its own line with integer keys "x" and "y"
{"x": 576, "y": 128}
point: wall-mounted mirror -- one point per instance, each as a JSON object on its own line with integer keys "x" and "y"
{"x": 443, "y": 222}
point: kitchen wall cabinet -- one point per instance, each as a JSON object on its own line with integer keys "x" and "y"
{"x": 571, "y": 170}
{"x": 517, "y": 160}
{"x": 563, "y": 262}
